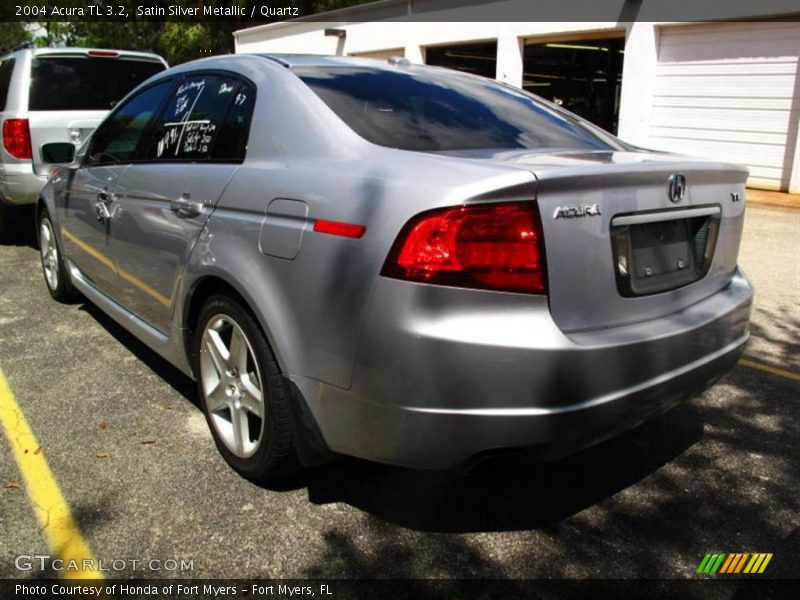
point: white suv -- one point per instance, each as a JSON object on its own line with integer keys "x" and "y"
{"x": 56, "y": 95}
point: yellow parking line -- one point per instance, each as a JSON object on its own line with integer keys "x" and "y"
{"x": 96, "y": 254}
{"x": 107, "y": 262}
{"x": 746, "y": 362}
{"x": 63, "y": 536}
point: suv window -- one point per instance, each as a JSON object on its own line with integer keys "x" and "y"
{"x": 117, "y": 138}
{"x": 85, "y": 83}
{"x": 194, "y": 120}
{"x": 6, "y": 69}
{"x": 434, "y": 111}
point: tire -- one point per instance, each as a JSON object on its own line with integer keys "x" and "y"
{"x": 242, "y": 394}
{"x": 56, "y": 277}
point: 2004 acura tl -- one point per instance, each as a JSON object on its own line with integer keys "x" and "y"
{"x": 397, "y": 262}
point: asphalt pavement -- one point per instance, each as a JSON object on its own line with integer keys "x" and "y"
{"x": 129, "y": 447}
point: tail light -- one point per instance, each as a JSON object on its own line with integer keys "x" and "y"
{"x": 491, "y": 246}
{"x": 17, "y": 138}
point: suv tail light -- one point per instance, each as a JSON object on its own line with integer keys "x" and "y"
{"x": 17, "y": 138}
{"x": 103, "y": 53}
{"x": 491, "y": 246}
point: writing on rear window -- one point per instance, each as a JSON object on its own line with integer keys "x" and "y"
{"x": 190, "y": 124}
{"x": 187, "y": 136}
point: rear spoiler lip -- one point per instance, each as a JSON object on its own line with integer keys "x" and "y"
{"x": 642, "y": 174}
{"x": 85, "y": 52}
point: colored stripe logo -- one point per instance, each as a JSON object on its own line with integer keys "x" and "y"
{"x": 732, "y": 563}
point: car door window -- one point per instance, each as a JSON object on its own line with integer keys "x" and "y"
{"x": 117, "y": 139}
{"x": 194, "y": 120}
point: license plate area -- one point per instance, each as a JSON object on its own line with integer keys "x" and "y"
{"x": 661, "y": 251}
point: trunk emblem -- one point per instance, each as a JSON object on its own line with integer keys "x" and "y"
{"x": 572, "y": 212}
{"x": 676, "y": 189}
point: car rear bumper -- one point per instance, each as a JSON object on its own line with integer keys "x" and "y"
{"x": 19, "y": 184}
{"x": 440, "y": 382}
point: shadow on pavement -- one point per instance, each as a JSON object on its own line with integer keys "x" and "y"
{"x": 719, "y": 473}
{"x": 508, "y": 493}
{"x": 786, "y": 339}
{"x": 19, "y": 226}
{"x": 177, "y": 380}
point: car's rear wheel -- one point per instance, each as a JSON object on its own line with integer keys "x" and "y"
{"x": 53, "y": 267}
{"x": 242, "y": 392}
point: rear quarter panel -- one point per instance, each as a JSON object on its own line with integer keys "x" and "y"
{"x": 313, "y": 306}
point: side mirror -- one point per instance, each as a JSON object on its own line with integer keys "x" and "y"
{"x": 58, "y": 153}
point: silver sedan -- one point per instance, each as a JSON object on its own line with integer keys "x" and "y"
{"x": 397, "y": 262}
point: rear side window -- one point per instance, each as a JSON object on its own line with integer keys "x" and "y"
{"x": 118, "y": 138}
{"x": 231, "y": 143}
{"x": 206, "y": 117}
{"x": 6, "y": 69}
{"x": 434, "y": 111}
{"x": 85, "y": 83}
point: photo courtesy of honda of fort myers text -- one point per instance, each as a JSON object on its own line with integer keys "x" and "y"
{"x": 405, "y": 298}
{"x": 174, "y": 589}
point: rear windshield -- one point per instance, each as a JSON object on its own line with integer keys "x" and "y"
{"x": 85, "y": 83}
{"x": 439, "y": 111}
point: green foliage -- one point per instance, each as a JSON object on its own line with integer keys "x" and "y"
{"x": 179, "y": 42}
{"x": 13, "y": 34}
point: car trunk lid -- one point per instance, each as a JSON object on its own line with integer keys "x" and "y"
{"x": 622, "y": 244}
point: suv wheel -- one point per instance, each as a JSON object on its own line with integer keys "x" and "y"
{"x": 53, "y": 268}
{"x": 241, "y": 391}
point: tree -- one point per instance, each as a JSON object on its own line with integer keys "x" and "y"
{"x": 177, "y": 40}
{"x": 13, "y": 34}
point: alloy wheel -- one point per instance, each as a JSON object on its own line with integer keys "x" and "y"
{"x": 49, "y": 250}
{"x": 232, "y": 385}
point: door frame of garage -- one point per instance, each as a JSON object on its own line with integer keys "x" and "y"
{"x": 617, "y": 33}
{"x": 794, "y": 174}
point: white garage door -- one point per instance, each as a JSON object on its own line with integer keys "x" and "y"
{"x": 730, "y": 91}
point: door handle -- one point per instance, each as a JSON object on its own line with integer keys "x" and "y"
{"x": 101, "y": 209}
{"x": 185, "y": 206}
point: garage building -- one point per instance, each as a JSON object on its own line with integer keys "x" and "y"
{"x": 727, "y": 87}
